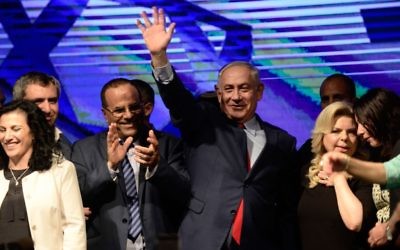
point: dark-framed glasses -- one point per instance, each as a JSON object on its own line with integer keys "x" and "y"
{"x": 133, "y": 109}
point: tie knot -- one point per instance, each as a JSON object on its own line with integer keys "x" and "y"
{"x": 241, "y": 125}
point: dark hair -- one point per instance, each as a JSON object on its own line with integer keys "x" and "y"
{"x": 145, "y": 89}
{"x": 379, "y": 112}
{"x": 113, "y": 84}
{"x": 34, "y": 77}
{"x": 43, "y": 144}
{"x": 342, "y": 78}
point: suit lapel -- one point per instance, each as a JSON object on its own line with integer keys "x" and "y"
{"x": 271, "y": 140}
{"x": 234, "y": 148}
{"x": 142, "y": 182}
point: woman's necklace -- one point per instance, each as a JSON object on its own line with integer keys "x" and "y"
{"x": 19, "y": 177}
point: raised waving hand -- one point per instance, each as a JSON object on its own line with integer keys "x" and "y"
{"x": 156, "y": 35}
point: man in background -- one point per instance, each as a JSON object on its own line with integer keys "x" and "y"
{"x": 334, "y": 88}
{"x": 44, "y": 90}
{"x": 131, "y": 176}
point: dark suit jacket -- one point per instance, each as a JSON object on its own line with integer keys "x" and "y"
{"x": 162, "y": 198}
{"x": 65, "y": 146}
{"x": 216, "y": 153}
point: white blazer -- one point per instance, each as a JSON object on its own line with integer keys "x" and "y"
{"x": 54, "y": 207}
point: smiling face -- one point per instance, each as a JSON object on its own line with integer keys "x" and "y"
{"x": 124, "y": 109}
{"x": 16, "y": 137}
{"x": 238, "y": 93}
{"x": 46, "y": 98}
{"x": 342, "y": 137}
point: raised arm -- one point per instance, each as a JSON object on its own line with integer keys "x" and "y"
{"x": 156, "y": 36}
{"x": 185, "y": 113}
{"x": 369, "y": 171}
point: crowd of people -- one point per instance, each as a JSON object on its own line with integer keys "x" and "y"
{"x": 232, "y": 181}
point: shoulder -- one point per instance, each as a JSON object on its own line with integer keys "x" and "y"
{"x": 281, "y": 133}
{"x": 306, "y": 145}
{"x": 165, "y": 136}
{"x": 62, "y": 165}
{"x": 91, "y": 140}
{"x": 279, "y": 137}
{"x": 61, "y": 169}
{"x": 166, "y": 140}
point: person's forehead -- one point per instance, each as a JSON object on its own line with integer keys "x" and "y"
{"x": 122, "y": 92}
{"x": 14, "y": 117}
{"x": 335, "y": 87}
{"x": 236, "y": 69}
{"x": 235, "y": 74}
{"x": 37, "y": 90}
{"x": 344, "y": 119}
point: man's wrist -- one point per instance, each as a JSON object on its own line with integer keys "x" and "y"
{"x": 112, "y": 166}
{"x": 159, "y": 59}
{"x": 164, "y": 74}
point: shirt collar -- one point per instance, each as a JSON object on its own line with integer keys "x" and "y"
{"x": 57, "y": 133}
{"x": 252, "y": 126}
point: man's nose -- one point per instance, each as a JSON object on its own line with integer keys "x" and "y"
{"x": 45, "y": 106}
{"x": 236, "y": 95}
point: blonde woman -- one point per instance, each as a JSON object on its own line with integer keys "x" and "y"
{"x": 333, "y": 210}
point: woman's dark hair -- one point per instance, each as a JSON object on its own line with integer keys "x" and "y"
{"x": 379, "y": 112}
{"x": 43, "y": 144}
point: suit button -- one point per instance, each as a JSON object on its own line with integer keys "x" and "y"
{"x": 233, "y": 212}
{"x": 124, "y": 220}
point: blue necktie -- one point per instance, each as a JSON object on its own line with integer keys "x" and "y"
{"x": 135, "y": 226}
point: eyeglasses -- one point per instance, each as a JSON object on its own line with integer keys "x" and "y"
{"x": 133, "y": 109}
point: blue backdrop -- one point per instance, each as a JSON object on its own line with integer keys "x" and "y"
{"x": 295, "y": 44}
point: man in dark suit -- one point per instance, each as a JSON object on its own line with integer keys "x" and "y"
{"x": 336, "y": 87}
{"x": 44, "y": 90}
{"x": 241, "y": 179}
{"x": 161, "y": 182}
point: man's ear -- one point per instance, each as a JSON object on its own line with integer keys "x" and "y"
{"x": 104, "y": 114}
{"x": 218, "y": 92}
{"x": 148, "y": 109}
{"x": 260, "y": 91}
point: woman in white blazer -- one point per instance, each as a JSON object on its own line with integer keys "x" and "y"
{"x": 39, "y": 192}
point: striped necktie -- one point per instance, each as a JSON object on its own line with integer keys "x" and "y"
{"x": 135, "y": 226}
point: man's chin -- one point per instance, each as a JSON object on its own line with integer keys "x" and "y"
{"x": 236, "y": 116}
{"x": 51, "y": 122}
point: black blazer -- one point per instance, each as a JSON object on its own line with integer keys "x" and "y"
{"x": 216, "y": 153}
{"x": 65, "y": 146}
{"x": 162, "y": 198}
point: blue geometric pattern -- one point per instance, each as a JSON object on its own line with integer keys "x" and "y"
{"x": 295, "y": 44}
